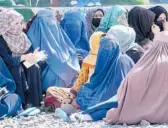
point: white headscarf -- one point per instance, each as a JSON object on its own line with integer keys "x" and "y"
{"x": 11, "y": 30}
{"x": 125, "y": 35}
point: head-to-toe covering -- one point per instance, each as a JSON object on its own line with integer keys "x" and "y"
{"x": 143, "y": 93}
{"x": 141, "y": 20}
{"x": 62, "y": 60}
{"x": 11, "y": 30}
{"x": 117, "y": 15}
{"x": 111, "y": 68}
{"x": 73, "y": 25}
{"x": 94, "y": 47}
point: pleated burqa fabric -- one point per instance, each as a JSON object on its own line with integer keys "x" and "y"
{"x": 144, "y": 92}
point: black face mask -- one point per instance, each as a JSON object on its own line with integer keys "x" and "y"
{"x": 160, "y": 24}
{"x": 96, "y": 22}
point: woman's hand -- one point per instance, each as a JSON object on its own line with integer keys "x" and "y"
{"x": 31, "y": 58}
{"x": 35, "y": 56}
{"x": 40, "y": 54}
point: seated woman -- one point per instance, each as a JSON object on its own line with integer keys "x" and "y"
{"x": 161, "y": 16}
{"x": 92, "y": 20}
{"x": 67, "y": 95}
{"x": 62, "y": 64}
{"x": 14, "y": 45}
{"x": 116, "y": 15}
{"x": 142, "y": 24}
{"x": 143, "y": 94}
{"x": 73, "y": 25}
{"x": 10, "y": 103}
{"x": 126, "y": 37}
{"x": 111, "y": 68}
{"x": 141, "y": 20}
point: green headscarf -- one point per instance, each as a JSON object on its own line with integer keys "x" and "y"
{"x": 27, "y": 13}
{"x": 23, "y": 2}
{"x": 111, "y": 17}
{"x": 6, "y": 3}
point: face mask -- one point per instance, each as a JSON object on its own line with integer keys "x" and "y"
{"x": 160, "y": 24}
{"x": 96, "y": 22}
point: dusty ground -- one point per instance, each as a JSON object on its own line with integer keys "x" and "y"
{"x": 51, "y": 121}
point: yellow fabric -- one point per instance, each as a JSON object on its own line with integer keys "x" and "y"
{"x": 88, "y": 63}
{"x": 82, "y": 78}
{"x": 94, "y": 47}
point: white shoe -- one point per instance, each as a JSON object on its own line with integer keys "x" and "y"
{"x": 80, "y": 117}
{"x": 75, "y": 117}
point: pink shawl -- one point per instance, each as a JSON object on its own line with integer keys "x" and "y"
{"x": 143, "y": 95}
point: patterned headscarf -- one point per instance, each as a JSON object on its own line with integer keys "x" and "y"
{"x": 114, "y": 16}
{"x": 11, "y": 30}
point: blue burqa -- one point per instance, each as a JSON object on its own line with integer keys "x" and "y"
{"x": 10, "y": 102}
{"x": 111, "y": 68}
{"x": 62, "y": 64}
{"x": 73, "y": 25}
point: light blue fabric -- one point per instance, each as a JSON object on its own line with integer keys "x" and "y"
{"x": 111, "y": 18}
{"x": 29, "y": 112}
{"x": 62, "y": 63}
{"x": 73, "y": 25}
{"x": 111, "y": 68}
{"x": 10, "y": 103}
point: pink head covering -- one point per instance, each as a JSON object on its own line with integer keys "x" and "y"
{"x": 144, "y": 92}
{"x": 11, "y": 30}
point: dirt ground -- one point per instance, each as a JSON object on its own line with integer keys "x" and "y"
{"x": 51, "y": 121}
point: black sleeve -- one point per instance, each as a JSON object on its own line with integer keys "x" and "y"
{"x": 6, "y": 55}
{"x": 134, "y": 55}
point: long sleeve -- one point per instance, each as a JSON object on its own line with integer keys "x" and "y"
{"x": 82, "y": 78}
{"x": 6, "y": 55}
{"x": 134, "y": 55}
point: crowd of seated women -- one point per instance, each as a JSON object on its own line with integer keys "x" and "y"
{"x": 105, "y": 64}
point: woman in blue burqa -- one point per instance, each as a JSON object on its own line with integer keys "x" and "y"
{"x": 62, "y": 64}
{"x": 73, "y": 25}
{"x": 10, "y": 102}
{"x": 111, "y": 68}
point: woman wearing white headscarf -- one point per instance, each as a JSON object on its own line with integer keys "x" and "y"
{"x": 126, "y": 37}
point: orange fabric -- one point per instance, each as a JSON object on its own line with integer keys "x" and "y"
{"x": 82, "y": 78}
